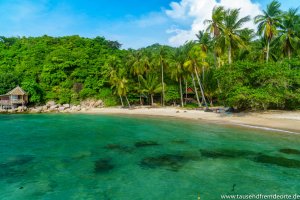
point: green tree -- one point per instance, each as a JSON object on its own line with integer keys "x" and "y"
{"x": 268, "y": 23}
{"x": 290, "y": 28}
{"x": 151, "y": 85}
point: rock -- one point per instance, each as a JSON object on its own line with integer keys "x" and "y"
{"x": 39, "y": 109}
{"x": 53, "y": 108}
{"x": 66, "y": 105}
{"x": 45, "y": 108}
{"x": 62, "y": 108}
{"x": 50, "y": 103}
{"x": 98, "y": 104}
{"x": 20, "y": 109}
{"x": 91, "y": 103}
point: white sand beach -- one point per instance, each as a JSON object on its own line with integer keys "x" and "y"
{"x": 288, "y": 121}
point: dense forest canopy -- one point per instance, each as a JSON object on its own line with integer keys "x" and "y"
{"x": 227, "y": 65}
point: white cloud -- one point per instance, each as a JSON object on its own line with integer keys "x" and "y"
{"x": 198, "y": 11}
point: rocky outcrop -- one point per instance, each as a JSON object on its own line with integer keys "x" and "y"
{"x": 51, "y": 106}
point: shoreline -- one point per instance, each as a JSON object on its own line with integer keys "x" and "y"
{"x": 279, "y": 121}
{"x": 272, "y": 120}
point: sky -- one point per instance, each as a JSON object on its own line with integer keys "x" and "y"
{"x": 133, "y": 23}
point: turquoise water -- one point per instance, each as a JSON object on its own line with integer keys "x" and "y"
{"x": 60, "y": 156}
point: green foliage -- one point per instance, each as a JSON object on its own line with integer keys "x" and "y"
{"x": 172, "y": 94}
{"x": 33, "y": 89}
{"x": 259, "y": 85}
{"x": 107, "y": 96}
{"x": 263, "y": 73}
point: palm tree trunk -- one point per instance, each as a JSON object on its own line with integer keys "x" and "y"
{"x": 203, "y": 71}
{"x": 229, "y": 54}
{"x": 163, "y": 86}
{"x": 201, "y": 88}
{"x": 151, "y": 99}
{"x": 121, "y": 101}
{"x": 140, "y": 90}
{"x": 268, "y": 50}
{"x": 127, "y": 101}
{"x": 289, "y": 53}
{"x": 198, "y": 101}
{"x": 180, "y": 87}
{"x": 186, "y": 91}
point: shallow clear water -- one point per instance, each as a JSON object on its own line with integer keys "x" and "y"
{"x": 59, "y": 156}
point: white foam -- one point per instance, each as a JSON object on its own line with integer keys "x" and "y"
{"x": 267, "y": 128}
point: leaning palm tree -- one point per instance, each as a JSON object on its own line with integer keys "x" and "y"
{"x": 231, "y": 29}
{"x": 191, "y": 65}
{"x": 268, "y": 23}
{"x": 290, "y": 28}
{"x": 204, "y": 40}
{"x": 120, "y": 86}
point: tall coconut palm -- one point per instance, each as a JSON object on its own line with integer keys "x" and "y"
{"x": 231, "y": 29}
{"x": 214, "y": 28}
{"x": 268, "y": 23}
{"x": 160, "y": 59}
{"x": 290, "y": 27}
{"x": 177, "y": 69}
{"x": 139, "y": 65}
{"x": 215, "y": 23}
{"x": 192, "y": 66}
{"x": 204, "y": 40}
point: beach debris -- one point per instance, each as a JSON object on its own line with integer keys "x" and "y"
{"x": 290, "y": 151}
{"x": 145, "y": 144}
{"x": 103, "y": 166}
{"x": 279, "y": 161}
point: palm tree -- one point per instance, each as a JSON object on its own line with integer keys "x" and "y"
{"x": 191, "y": 65}
{"x": 268, "y": 23}
{"x": 160, "y": 59}
{"x": 177, "y": 69}
{"x": 151, "y": 85}
{"x": 290, "y": 27}
{"x": 120, "y": 86}
{"x": 231, "y": 29}
{"x": 139, "y": 65}
{"x": 204, "y": 41}
{"x": 215, "y": 23}
{"x": 214, "y": 28}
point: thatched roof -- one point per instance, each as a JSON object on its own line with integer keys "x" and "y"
{"x": 16, "y": 91}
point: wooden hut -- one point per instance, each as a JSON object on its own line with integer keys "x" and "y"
{"x": 14, "y": 98}
{"x": 189, "y": 95}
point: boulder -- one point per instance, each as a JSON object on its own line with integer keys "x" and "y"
{"x": 66, "y": 105}
{"x": 50, "y": 103}
{"x": 20, "y": 109}
{"x": 98, "y": 104}
{"x": 45, "y": 108}
{"x": 53, "y": 108}
{"x": 61, "y": 108}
